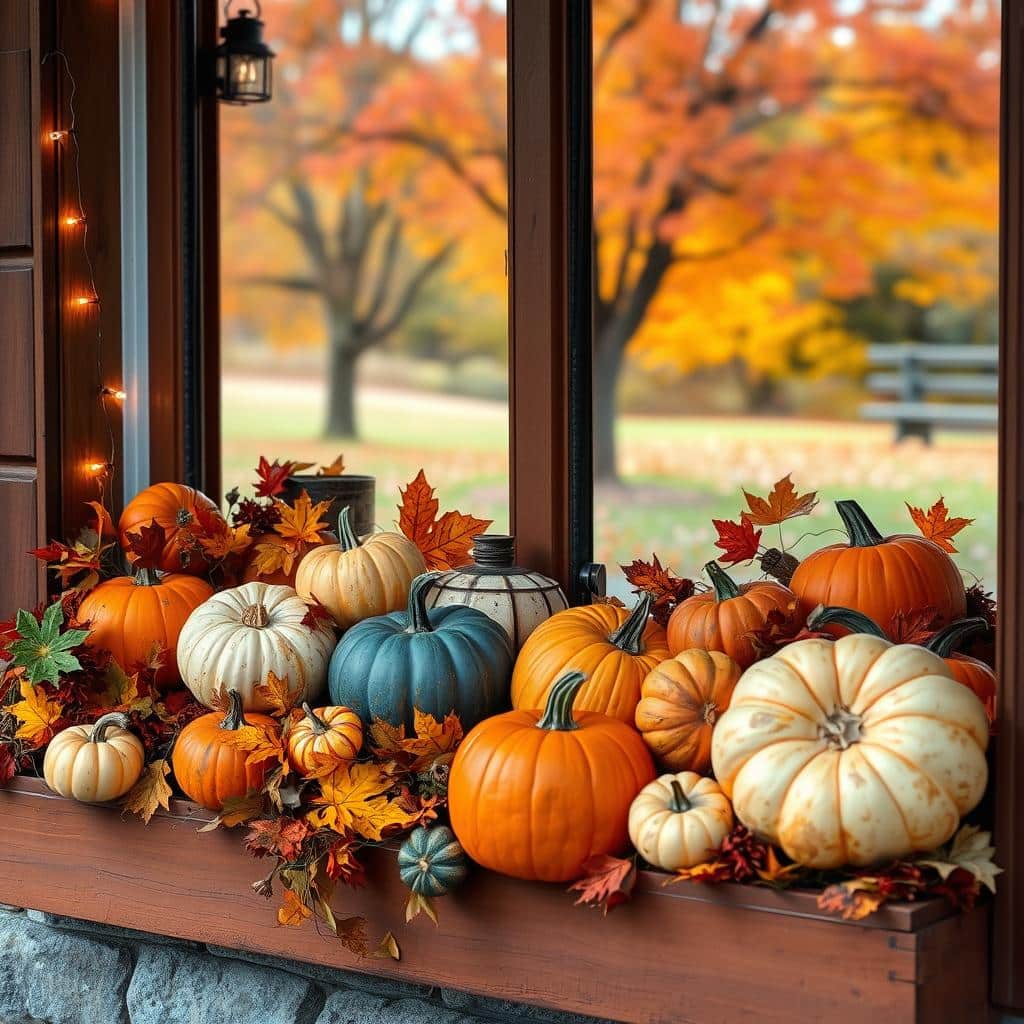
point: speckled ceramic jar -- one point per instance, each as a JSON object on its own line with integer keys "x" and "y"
{"x": 517, "y": 598}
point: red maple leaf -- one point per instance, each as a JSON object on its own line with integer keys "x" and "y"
{"x": 53, "y": 552}
{"x": 607, "y": 882}
{"x": 272, "y": 477}
{"x": 667, "y": 589}
{"x": 147, "y": 544}
{"x": 315, "y": 614}
{"x": 739, "y": 541}
{"x": 8, "y": 766}
{"x": 915, "y": 627}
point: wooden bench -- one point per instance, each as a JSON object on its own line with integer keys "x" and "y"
{"x": 914, "y": 373}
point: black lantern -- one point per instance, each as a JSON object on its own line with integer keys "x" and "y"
{"x": 244, "y": 61}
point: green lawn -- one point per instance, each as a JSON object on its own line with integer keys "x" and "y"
{"x": 677, "y": 474}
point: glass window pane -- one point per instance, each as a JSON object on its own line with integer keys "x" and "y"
{"x": 781, "y": 201}
{"x": 363, "y": 240}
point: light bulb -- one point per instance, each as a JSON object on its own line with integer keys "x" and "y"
{"x": 57, "y": 136}
{"x": 97, "y": 468}
{"x": 71, "y": 221}
{"x": 116, "y": 393}
{"x": 85, "y": 300}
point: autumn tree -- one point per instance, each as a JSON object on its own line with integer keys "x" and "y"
{"x": 753, "y": 165}
{"x": 339, "y": 230}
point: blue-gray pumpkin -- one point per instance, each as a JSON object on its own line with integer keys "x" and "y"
{"x": 431, "y": 861}
{"x": 448, "y": 659}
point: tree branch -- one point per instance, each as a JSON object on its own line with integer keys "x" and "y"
{"x": 291, "y": 284}
{"x": 409, "y": 295}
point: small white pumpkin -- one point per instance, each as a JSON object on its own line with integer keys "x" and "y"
{"x": 234, "y": 640}
{"x": 94, "y": 763}
{"x": 853, "y": 752}
{"x": 678, "y": 821}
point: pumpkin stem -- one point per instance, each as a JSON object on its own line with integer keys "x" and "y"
{"x": 319, "y": 725}
{"x": 680, "y": 802}
{"x": 854, "y": 621}
{"x": 346, "y": 535}
{"x": 861, "y": 531}
{"x": 146, "y": 577}
{"x": 557, "y": 715}
{"x": 235, "y": 718}
{"x": 841, "y": 729}
{"x": 947, "y": 640}
{"x": 183, "y": 517}
{"x": 629, "y": 637}
{"x": 256, "y": 615}
{"x": 416, "y": 611}
{"x": 724, "y": 585}
{"x": 102, "y": 724}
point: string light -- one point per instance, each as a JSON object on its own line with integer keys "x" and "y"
{"x": 101, "y": 471}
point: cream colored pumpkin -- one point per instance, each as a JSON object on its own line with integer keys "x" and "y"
{"x": 678, "y": 821}
{"x": 234, "y": 640}
{"x": 357, "y": 579}
{"x": 853, "y": 752}
{"x": 94, "y": 763}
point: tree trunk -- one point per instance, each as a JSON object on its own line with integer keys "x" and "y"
{"x": 607, "y": 365}
{"x": 341, "y": 384}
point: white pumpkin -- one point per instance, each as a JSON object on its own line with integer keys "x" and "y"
{"x": 853, "y": 752}
{"x": 234, "y": 640}
{"x": 678, "y": 821}
{"x": 94, "y": 763}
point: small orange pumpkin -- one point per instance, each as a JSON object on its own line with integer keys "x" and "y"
{"x": 534, "y": 795}
{"x": 332, "y": 732}
{"x": 680, "y": 701}
{"x": 974, "y": 674}
{"x": 615, "y": 648}
{"x": 723, "y": 618}
{"x": 208, "y": 767}
{"x": 175, "y": 507}
{"x": 878, "y": 575}
{"x": 127, "y": 616}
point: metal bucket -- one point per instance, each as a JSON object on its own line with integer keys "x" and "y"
{"x": 358, "y": 492}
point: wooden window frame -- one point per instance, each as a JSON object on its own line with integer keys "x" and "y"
{"x": 550, "y": 280}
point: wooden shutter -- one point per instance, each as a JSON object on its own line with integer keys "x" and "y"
{"x": 24, "y": 273}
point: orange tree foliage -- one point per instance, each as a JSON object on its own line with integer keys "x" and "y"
{"x": 754, "y": 163}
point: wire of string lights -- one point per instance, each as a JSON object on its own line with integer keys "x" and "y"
{"x": 73, "y": 219}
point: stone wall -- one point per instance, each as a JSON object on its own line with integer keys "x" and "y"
{"x": 60, "y": 970}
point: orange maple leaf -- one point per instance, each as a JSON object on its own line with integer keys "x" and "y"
{"x": 336, "y": 468}
{"x": 226, "y": 540}
{"x": 354, "y": 799}
{"x": 293, "y": 912}
{"x": 781, "y": 504}
{"x": 444, "y": 541}
{"x": 936, "y": 525}
{"x": 853, "y": 900}
{"x": 277, "y": 692}
{"x": 434, "y": 741}
{"x": 301, "y": 522}
{"x": 607, "y": 882}
{"x": 260, "y": 742}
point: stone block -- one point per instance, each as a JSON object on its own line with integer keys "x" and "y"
{"x": 509, "y": 1010}
{"x": 60, "y": 977}
{"x": 176, "y": 986}
{"x": 353, "y": 1007}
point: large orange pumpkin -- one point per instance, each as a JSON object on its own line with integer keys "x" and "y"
{"x": 208, "y": 767}
{"x": 127, "y": 616}
{"x": 614, "y": 648}
{"x": 878, "y": 575}
{"x": 974, "y": 674}
{"x": 174, "y": 507}
{"x": 535, "y": 795}
{"x": 680, "y": 701}
{"x": 723, "y": 618}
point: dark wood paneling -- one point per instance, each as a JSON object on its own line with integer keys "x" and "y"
{"x": 88, "y": 34}
{"x": 17, "y": 410}
{"x": 16, "y": 139}
{"x": 18, "y": 514}
{"x": 663, "y": 958}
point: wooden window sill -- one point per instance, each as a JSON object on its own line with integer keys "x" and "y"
{"x": 684, "y": 953}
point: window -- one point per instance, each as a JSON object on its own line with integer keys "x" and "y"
{"x": 786, "y": 205}
{"x": 363, "y": 250}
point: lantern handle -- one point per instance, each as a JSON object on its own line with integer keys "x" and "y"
{"x": 228, "y": 3}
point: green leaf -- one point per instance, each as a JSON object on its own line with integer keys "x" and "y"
{"x": 42, "y": 649}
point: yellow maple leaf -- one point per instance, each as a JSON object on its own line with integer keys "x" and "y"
{"x": 228, "y": 540}
{"x": 37, "y": 714}
{"x": 277, "y": 692}
{"x": 353, "y": 798}
{"x": 292, "y": 912}
{"x": 150, "y": 792}
{"x": 260, "y": 742}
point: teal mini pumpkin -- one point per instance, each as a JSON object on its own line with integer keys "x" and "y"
{"x": 431, "y": 861}
{"x": 448, "y": 659}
